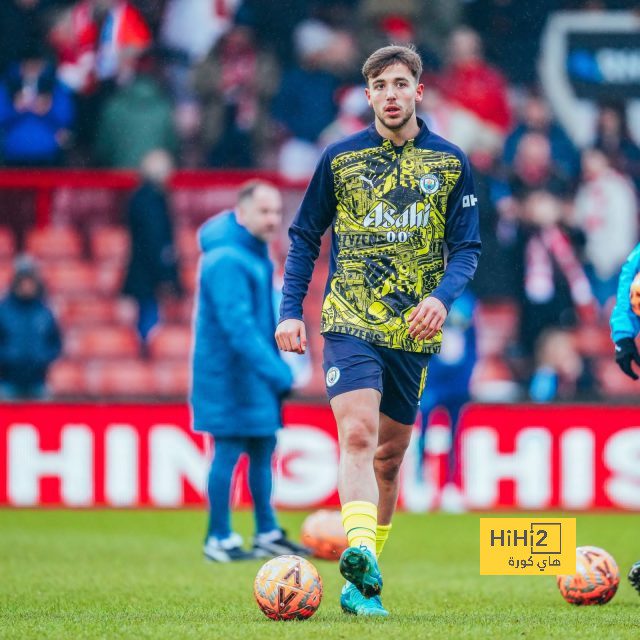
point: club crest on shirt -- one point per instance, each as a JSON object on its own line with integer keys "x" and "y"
{"x": 429, "y": 183}
{"x": 333, "y": 375}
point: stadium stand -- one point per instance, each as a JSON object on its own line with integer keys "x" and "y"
{"x": 71, "y": 219}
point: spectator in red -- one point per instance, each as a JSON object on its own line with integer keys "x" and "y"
{"x": 606, "y": 209}
{"x": 555, "y": 289}
{"x": 124, "y": 36}
{"x": 74, "y": 38}
{"x": 470, "y": 84}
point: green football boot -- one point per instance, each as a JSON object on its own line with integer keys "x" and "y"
{"x": 354, "y": 603}
{"x": 360, "y": 567}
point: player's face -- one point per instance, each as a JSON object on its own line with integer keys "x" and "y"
{"x": 261, "y": 214}
{"x": 393, "y": 96}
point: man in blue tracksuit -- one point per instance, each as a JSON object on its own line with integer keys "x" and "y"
{"x": 625, "y": 318}
{"x": 239, "y": 379}
{"x": 403, "y": 211}
{"x": 625, "y": 327}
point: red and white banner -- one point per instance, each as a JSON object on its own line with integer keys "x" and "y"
{"x": 522, "y": 457}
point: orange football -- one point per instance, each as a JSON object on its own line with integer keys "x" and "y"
{"x": 288, "y": 588}
{"x": 596, "y": 579}
{"x": 323, "y": 533}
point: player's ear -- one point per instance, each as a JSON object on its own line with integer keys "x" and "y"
{"x": 368, "y": 94}
{"x": 419, "y": 92}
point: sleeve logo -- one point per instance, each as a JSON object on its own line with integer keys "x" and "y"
{"x": 469, "y": 201}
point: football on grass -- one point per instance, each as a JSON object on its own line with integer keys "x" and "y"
{"x": 288, "y": 588}
{"x": 596, "y": 578}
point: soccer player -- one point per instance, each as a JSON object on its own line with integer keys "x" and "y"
{"x": 625, "y": 317}
{"x": 395, "y": 195}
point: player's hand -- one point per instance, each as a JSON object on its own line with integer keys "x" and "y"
{"x": 427, "y": 319}
{"x": 291, "y": 335}
{"x": 626, "y": 353}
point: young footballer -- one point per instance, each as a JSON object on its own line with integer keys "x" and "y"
{"x": 397, "y": 197}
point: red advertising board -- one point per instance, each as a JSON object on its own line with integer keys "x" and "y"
{"x": 523, "y": 457}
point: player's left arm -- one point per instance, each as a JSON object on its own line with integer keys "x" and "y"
{"x": 462, "y": 237}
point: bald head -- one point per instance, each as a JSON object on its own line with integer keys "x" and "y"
{"x": 259, "y": 209}
{"x": 157, "y": 166}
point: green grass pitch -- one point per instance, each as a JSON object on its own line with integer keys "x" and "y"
{"x": 140, "y": 574}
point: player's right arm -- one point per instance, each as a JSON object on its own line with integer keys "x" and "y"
{"x": 291, "y": 335}
{"x": 314, "y": 216}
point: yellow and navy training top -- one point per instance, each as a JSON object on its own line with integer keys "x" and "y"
{"x": 393, "y": 211}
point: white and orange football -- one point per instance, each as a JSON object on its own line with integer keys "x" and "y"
{"x": 596, "y": 578}
{"x": 288, "y": 588}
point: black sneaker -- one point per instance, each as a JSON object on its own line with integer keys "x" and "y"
{"x": 276, "y": 543}
{"x": 226, "y": 550}
{"x": 634, "y": 576}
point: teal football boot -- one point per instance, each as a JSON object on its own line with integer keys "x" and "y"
{"x": 354, "y": 603}
{"x": 360, "y": 567}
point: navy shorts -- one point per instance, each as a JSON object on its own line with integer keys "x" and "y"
{"x": 351, "y": 363}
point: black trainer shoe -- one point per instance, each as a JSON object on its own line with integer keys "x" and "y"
{"x": 226, "y": 550}
{"x": 276, "y": 543}
{"x": 634, "y": 576}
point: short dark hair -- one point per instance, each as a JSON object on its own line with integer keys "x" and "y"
{"x": 384, "y": 57}
{"x": 247, "y": 189}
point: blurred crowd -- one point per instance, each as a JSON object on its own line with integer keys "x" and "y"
{"x": 269, "y": 83}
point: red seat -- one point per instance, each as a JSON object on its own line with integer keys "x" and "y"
{"x": 189, "y": 277}
{"x": 109, "y": 244}
{"x": 170, "y": 342}
{"x": 92, "y": 311}
{"x": 70, "y": 278}
{"x": 187, "y": 244}
{"x": 7, "y": 244}
{"x": 176, "y": 310}
{"x": 172, "y": 378}
{"x": 593, "y": 341}
{"x": 497, "y": 325}
{"x": 6, "y": 275}
{"x": 102, "y": 342}
{"x": 130, "y": 378}
{"x": 109, "y": 277}
{"x": 492, "y": 381}
{"x": 612, "y": 381}
{"x": 54, "y": 243}
{"x": 66, "y": 378}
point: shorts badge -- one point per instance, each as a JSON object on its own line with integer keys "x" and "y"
{"x": 333, "y": 375}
